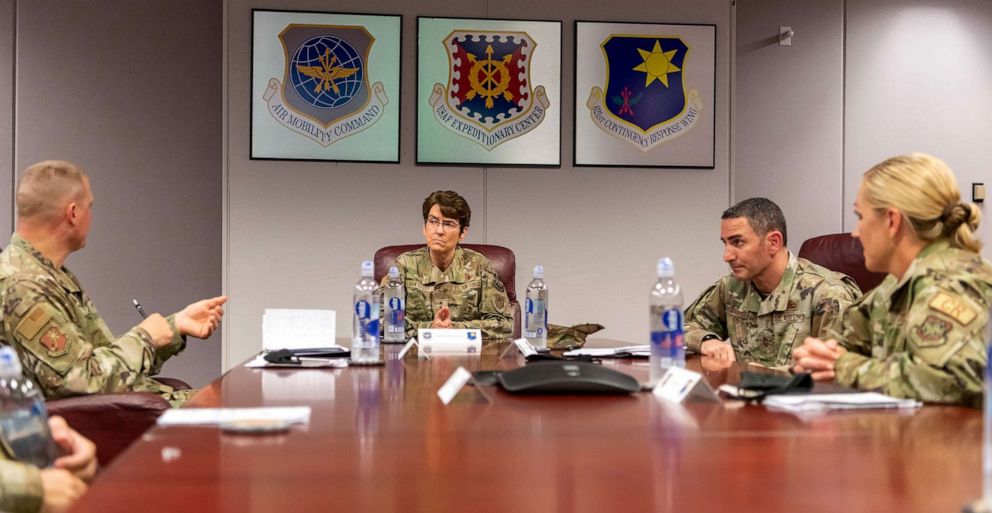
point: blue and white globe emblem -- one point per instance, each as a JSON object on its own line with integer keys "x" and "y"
{"x": 327, "y": 72}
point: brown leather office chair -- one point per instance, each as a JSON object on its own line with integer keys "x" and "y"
{"x": 502, "y": 259}
{"x": 113, "y": 421}
{"x": 842, "y": 253}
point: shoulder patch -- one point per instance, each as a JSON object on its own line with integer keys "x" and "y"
{"x": 32, "y": 323}
{"x": 55, "y": 341}
{"x": 932, "y": 329}
{"x": 953, "y": 308}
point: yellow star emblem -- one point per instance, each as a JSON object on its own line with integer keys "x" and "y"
{"x": 657, "y": 64}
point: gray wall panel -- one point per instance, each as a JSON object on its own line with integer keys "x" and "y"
{"x": 132, "y": 92}
{"x": 919, "y": 79}
{"x": 7, "y": 41}
{"x": 788, "y": 112}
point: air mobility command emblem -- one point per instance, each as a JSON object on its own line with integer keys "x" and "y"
{"x": 325, "y": 93}
{"x": 645, "y": 102}
{"x": 488, "y": 98}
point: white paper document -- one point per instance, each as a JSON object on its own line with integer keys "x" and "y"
{"x": 607, "y": 352}
{"x": 297, "y": 329}
{"x": 852, "y": 401}
{"x": 217, "y": 416}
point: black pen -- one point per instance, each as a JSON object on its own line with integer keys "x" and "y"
{"x": 140, "y": 309}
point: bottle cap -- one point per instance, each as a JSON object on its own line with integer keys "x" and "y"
{"x": 394, "y": 272}
{"x": 666, "y": 269}
{"x": 10, "y": 364}
{"x": 539, "y": 272}
{"x": 367, "y": 269}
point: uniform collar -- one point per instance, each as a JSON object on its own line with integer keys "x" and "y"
{"x": 912, "y": 271}
{"x": 455, "y": 273}
{"x": 63, "y": 276}
{"x": 778, "y": 299}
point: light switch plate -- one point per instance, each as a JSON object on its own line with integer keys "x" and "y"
{"x": 978, "y": 192}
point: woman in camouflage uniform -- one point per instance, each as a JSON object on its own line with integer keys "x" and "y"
{"x": 921, "y": 333}
{"x": 448, "y": 286}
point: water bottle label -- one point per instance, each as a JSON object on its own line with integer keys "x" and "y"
{"x": 362, "y": 309}
{"x": 372, "y": 330}
{"x": 395, "y": 303}
{"x": 669, "y": 339}
{"x": 672, "y": 319}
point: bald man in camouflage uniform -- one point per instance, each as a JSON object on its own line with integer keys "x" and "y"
{"x": 469, "y": 287}
{"x": 772, "y": 300}
{"x": 922, "y": 336}
{"x": 63, "y": 343}
{"x": 62, "y": 340}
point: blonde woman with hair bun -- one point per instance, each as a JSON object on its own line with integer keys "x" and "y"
{"x": 920, "y": 333}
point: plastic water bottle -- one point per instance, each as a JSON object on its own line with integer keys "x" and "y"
{"x": 394, "y": 297}
{"x": 667, "y": 346}
{"x": 536, "y": 307}
{"x": 23, "y": 417}
{"x": 365, "y": 339}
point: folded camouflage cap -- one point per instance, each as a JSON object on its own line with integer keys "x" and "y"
{"x": 570, "y": 337}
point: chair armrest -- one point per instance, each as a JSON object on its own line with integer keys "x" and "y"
{"x": 111, "y": 421}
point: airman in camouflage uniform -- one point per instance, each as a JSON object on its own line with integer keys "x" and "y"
{"x": 469, "y": 287}
{"x": 921, "y": 336}
{"x": 63, "y": 343}
{"x": 764, "y": 329}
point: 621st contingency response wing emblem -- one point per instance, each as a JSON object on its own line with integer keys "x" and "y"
{"x": 325, "y": 94}
{"x": 645, "y": 102}
{"x": 488, "y": 98}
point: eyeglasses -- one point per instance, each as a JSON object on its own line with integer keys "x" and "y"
{"x": 448, "y": 225}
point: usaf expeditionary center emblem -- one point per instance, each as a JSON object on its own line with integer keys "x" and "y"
{"x": 325, "y": 94}
{"x": 645, "y": 102}
{"x": 488, "y": 98}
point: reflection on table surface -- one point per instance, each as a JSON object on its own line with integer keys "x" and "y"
{"x": 379, "y": 439}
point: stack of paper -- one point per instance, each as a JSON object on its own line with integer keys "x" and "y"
{"x": 612, "y": 352}
{"x": 297, "y": 329}
{"x": 852, "y": 401}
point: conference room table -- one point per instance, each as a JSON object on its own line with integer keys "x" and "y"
{"x": 379, "y": 439}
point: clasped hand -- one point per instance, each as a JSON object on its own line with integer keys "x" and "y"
{"x": 817, "y": 357}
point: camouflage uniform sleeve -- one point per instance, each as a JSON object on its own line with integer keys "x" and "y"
{"x": 20, "y": 487}
{"x": 175, "y": 346}
{"x": 829, "y": 301}
{"x": 944, "y": 358}
{"x": 56, "y": 353}
{"x": 706, "y": 316}
{"x": 495, "y": 312}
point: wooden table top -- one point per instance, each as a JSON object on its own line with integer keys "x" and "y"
{"x": 379, "y": 439}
